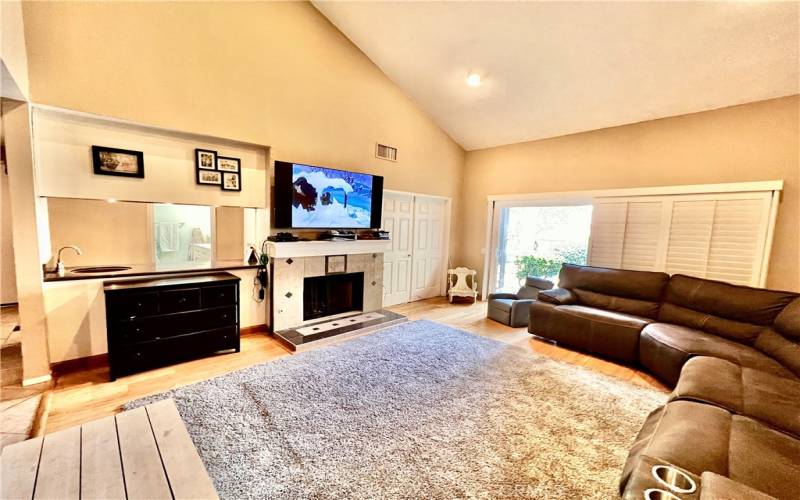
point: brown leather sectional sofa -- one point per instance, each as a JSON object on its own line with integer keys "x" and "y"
{"x": 732, "y": 354}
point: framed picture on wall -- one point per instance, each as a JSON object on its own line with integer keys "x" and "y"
{"x": 205, "y": 159}
{"x": 211, "y": 177}
{"x": 120, "y": 162}
{"x": 227, "y": 164}
{"x": 231, "y": 181}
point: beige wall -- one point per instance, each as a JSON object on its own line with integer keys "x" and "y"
{"x": 8, "y": 276}
{"x": 752, "y": 142}
{"x": 12, "y": 45}
{"x": 281, "y": 74}
{"x": 106, "y": 233}
{"x": 26, "y": 212}
{"x": 275, "y": 73}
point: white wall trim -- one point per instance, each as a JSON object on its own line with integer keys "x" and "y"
{"x": 411, "y": 193}
{"x": 773, "y": 216}
{"x": 729, "y": 187}
{"x": 36, "y": 380}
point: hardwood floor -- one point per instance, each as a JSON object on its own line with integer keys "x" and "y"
{"x": 87, "y": 395}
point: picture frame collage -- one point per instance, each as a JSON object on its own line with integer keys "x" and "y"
{"x": 215, "y": 170}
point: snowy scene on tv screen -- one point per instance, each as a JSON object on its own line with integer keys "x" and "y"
{"x": 328, "y": 198}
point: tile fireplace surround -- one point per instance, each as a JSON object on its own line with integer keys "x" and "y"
{"x": 289, "y": 274}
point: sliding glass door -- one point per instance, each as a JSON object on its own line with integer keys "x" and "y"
{"x": 534, "y": 240}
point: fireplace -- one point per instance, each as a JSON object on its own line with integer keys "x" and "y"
{"x": 332, "y": 294}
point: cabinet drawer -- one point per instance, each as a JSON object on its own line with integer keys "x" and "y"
{"x": 186, "y": 299}
{"x": 214, "y": 296}
{"x": 146, "y": 355}
{"x": 133, "y": 305}
{"x": 161, "y": 327}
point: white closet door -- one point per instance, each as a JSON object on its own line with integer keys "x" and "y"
{"x": 397, "y": 219}
{"x": 428, "y": 261}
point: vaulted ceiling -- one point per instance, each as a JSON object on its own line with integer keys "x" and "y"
{"x": 556, "y": 68}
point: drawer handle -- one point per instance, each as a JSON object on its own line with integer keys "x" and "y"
{"x": 224, "y": 316}
{"x": 138, "y": 329}
{"x": 182, "y": 300}
{"x": 221, "y": 295}
{"x": 138, "y": 304}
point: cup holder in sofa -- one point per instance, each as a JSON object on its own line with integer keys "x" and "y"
{"x": 656, "y": 494}
{"x": 674, "y": 479}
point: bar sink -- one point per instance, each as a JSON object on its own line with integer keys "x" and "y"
{"x": 99, "y": 269}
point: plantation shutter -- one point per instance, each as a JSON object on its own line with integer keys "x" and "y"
{"x": 640, "y": 250}
{"x": 715, "y": 236}
{"x": 607, "y": 233}
{"x": 690, "y": 237}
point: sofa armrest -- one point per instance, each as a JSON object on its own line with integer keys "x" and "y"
{"x": 557, "y": 296}
{"x": 512, "y": 296}
{"x": 524, "y": 303}
{"x": 520, "y": 312}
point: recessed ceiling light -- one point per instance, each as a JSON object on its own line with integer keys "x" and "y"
{"x": 474, "y": 80}
{"x": 112, "y": 200}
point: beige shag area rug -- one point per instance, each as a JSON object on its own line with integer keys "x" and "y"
{"x": 420, "y": 410}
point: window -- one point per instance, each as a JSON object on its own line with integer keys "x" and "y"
{"x": 182, "y": 234}
{"x": 536, "y": 240}
{"x": 716, "y": 236}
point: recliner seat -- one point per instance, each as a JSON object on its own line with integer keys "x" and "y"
{"x": 599, "y": 310}
{"x": 772, "y": 400}
{"x": 734, "y": 353}
{"x": 704, "y": 317}
{"x": 512, "y": 309}
{"x": 698, "y": 437}
{"x": 664, "y": 348}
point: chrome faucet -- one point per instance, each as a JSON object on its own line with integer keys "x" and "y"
{"x": 59, "y": 264}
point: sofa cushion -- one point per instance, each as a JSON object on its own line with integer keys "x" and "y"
{"x": 607, "y": 333}
{"x": 788, "y": 321}
{"x": 532, "y": 287}
{"x": 699, "y": 437}
{"x": 557, "y": 296}
{"x": 501, "y": 304}
{"x": 781, "y": 349}
{"x": 716, "y": 487}
{"x": 774, "y": 401}
{"x": 731, "y": 311}
{"x": 664, "y": 348}
{"x": 642, "y": 308}
{"x": 734, "y": 330}
{"x": 639, "y": 285}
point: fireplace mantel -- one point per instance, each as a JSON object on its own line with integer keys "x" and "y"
{"x": 283, "y": 250}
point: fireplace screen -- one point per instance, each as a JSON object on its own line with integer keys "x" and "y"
{"x": 332, "y": 294}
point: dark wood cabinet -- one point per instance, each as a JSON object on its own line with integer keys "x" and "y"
{"x": 157, "y": 322}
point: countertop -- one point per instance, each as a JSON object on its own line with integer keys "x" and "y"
{"x": 150, "y": 270}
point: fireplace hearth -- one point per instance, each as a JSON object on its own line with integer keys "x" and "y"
{"x": 332, "y": 294}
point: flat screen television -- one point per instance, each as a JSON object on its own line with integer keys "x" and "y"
{"x": 310, "y": 197}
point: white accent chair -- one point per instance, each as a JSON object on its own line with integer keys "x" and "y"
{"x": 464, "y": 285}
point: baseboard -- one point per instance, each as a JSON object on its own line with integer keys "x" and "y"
{"x": 36, "y": 380}
{"x": 79, "y": 364}
{"x": 249, "y": 330}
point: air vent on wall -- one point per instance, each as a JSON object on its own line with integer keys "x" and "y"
{"x": 386, "y": 152}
